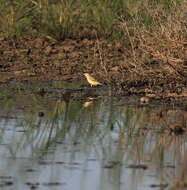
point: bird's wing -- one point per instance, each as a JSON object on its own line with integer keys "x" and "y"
{"x": 91, "y": 78}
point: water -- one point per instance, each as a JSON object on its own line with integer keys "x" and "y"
{"x": 55, "y": 138}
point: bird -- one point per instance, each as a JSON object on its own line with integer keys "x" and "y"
{"x": 91, "y": 80}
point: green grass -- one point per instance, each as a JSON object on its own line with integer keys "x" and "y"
{"x": 16, "y": 18}
{"x": 58, "y": 20}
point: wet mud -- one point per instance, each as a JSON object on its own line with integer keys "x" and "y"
{"x": 41, "y": 60}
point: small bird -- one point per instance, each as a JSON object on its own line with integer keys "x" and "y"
{"x": 91, "y": 80}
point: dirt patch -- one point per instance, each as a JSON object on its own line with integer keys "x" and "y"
{"x": 41, "y": 60}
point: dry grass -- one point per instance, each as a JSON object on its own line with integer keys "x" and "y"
{"x": 166, "y": 44}
{"x": 156, "y": 50}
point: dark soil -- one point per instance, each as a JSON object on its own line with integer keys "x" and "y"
{"x": 41, "y": 60}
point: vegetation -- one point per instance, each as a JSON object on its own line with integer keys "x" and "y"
{"x": 110, "y": 19}
{"x": 148, "y": 37}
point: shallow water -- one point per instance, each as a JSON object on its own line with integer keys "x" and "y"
{"x": 69, "y": 136}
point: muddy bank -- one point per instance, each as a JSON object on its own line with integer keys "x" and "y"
{"x": 37, "y": 59}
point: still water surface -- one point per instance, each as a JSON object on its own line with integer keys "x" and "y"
{"x": 53, "y": 138}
